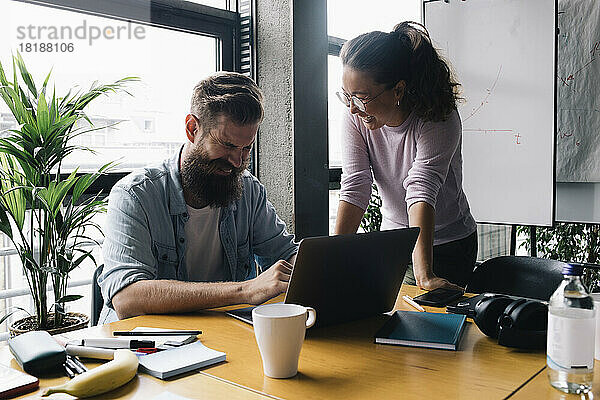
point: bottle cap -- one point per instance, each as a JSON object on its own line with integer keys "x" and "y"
{"x": 572, "y": 270}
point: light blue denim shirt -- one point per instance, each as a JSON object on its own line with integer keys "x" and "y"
{"x": 145, "y": 235}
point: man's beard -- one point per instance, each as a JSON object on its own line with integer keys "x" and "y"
{"x": 199, "y": 179}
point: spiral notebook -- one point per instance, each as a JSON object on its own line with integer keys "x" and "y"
{"x": 422, "y": 329}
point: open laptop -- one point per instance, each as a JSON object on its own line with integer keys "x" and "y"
{"x": 348, "y": 277}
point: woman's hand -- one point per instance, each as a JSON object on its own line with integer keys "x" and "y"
{"x": 434, "y": 282}
{"x": 422, "y": 215}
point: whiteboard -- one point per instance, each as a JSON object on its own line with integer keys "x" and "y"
{"x": 503, "y": 54}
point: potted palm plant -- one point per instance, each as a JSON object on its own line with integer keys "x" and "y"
{"x": 44, "y": 212}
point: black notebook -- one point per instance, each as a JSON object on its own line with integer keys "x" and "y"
{"x": 422, "y": 329}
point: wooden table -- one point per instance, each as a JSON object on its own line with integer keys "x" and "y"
{"x": 338, "y": 362}
{"x": 539, "y": 388}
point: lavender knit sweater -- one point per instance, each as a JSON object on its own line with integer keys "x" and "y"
{"x": 416, "y": 161}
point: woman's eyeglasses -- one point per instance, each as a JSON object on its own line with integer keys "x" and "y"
{"x": 359, "y": 103}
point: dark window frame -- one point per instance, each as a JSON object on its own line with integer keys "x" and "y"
{"x": 335, "y": 173}
{"x": 178, "y": 15}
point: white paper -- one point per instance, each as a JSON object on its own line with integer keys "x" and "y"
{"x": 179, "y": 360}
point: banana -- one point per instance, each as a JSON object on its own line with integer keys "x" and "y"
{"x": 101, "y": 379}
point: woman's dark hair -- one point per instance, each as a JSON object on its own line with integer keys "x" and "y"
{"x": 406, "y": 54}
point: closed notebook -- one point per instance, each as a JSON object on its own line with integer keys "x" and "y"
{"x": 422, "y": 329}
{"x": 179, "y": 360}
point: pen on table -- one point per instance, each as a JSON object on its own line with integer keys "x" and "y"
{"x": 73, "y": 366}
{"x": 114, "y": 343}
{"x": 155, "y": 333}
{"x": 68, "y": 371}
{"x": 412, "y": 303}
{"x": 78, "y": 363}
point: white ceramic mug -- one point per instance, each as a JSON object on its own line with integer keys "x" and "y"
{"x": 596, "y": 297}
{"x": 279, "y": 331}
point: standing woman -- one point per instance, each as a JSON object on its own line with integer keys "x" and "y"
{"x": 403, "y": 130}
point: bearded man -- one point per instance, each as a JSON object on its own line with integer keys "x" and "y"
{"x": 184, "y": 235}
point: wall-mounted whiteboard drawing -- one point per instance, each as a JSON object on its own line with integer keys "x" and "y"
{"x": 503, "y": 54}
{"x": 578, "y": 90}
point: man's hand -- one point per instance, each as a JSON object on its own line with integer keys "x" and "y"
{"x": 434, "y": 282}
{"x": 270, "y": 283}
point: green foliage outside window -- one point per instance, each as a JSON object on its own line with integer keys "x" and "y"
{"x": 569, "y": 242}
{"x": 371, "y": 221}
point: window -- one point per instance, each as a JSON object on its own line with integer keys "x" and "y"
{"x": 335, "y": 110}
{"x": 168, "y": 63}
{"x": 345, "y": 20}
{"x": 223, "y": 4}
{"x": 349, "y": 18}
{"x": 170, "y": 45}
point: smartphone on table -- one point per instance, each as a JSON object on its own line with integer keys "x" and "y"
{"x": 439, "y": 297}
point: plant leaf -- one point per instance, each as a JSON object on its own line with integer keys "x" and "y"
{"x": 12, "y": 312}
{"x": 70, "y": 297}
{"x": 7, "y": 316}
{"x": 43, "y": 115}
{"x": 13, "y": 196}
{"x": 46, "y": 81}
{"x": 85, "y": 181}
{"x": 5, "y": 223}
{"x": 3, "y": 80}
{"x": 26, "y": 75}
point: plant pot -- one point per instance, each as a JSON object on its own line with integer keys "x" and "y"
{"x": 71, "y": 322}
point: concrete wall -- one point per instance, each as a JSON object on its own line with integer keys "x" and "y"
{"x": 275, "y": 77}
{"x": 291, "y": 48}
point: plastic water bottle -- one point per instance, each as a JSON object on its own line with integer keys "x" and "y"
{"x": 571, "y": 329}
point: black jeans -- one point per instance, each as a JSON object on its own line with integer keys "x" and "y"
{"x": 453, "y": 261}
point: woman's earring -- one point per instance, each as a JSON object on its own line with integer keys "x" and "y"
{"x": 398, "y": 103}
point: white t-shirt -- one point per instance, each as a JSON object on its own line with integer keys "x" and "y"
{"x": 204, "y": 253}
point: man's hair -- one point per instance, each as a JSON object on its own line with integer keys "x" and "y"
{"x": 230, "y": 94}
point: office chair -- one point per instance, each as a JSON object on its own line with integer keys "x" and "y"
{"x": 97, "y": 300}
{"x": 532, "y": 277}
